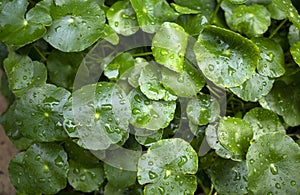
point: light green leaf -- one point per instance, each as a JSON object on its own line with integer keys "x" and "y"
{"x": 169, "y": 46}
{"x": 119, "y": 178}
{"x": 18, "y": 31}
{"x": 110, "y": 35}
{"x": 206, "y": 7}
{"x": 148, "y": 113}
{"x": 192, "y": 24}
{"x": 147, "y": 137}
{"x": 169, "y": 161}
{"x": 253, "y": 89}
{"x": 263, "y": 121}
{"x": 294, "y": 35}
{"x": 271, "y": 61}
{"x": 76, "y": 26}
{"x": 225, "y": 57}
{"x": 152, "y": 13}
{"x": 295, "y": 51}
{"x": 252, "y": 20}
{"x": 121, "y": 17}
{"x": 98, "y": 116}
{"x": 185, "y": 84}
{"x": 184, "y": 10}
{"x": 283, "y": 100}
{"x": 134, "y": 75}
{"x": 290, "y": 11}
{"x": 119, "y": 66}
{"x": 238, "y": 1}
{"x": 203, "y": 109}
{"x": 275, "y": 12}
{"x": 23, "y": 73}
{"x": 39, "y": 113}
{"x": 62, "y": 68}
{"x": 43, "y": 168}
{"x": 150, "y": 85}
{"x": 272, "y": 161}
{"x": 235, "y": 135}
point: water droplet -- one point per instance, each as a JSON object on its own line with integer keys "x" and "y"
{"x": 137, "y": 98}
{"x": 125, "y": 16}
{"x": 152, "y": 175}
{"x": 38, "y": 157}
{"x": 273, "y": 169}
{"x": 25, "y": 77}
{"x": 42, "y": 180}
{"x": 136, "y": 111}
{"x": 164, "y": 52}
{"x": 167, "y": 174}
{"x": 237, "y": 175}
{"x": 76, "y": 171}
{"x": 161, "y": 190}
{"x": 177, "y": 178}
{"x": 150, "y": 163}
{"x": 251, "y": 161}
{"x": 108, "y": 129}
{"x": 106, "y": 107}
{"x": 264, "y": 83}
{"x": 277, "y": 185}
{"x": 82, "y": 178}
{"x": 59, "y": 161}
{"x": 180, "y": 79}
{"x": 293, "y": 183}
{"x": 211, "y": 67}
{"x": 116, "y": 24}
{"x": 182, "y": 161}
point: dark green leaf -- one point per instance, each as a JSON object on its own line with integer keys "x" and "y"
{"x": 206, "y": 7}
{"x": 295, "y": 51}
{"x": 225, "y": 57}
{"x": 293, "y": 35}
{"x": 290, "y": 11}
{"x": 76, "y": 26}
{"x": 169, "y": 45}
{"x": 166, "y": 166}
{"x": 238, "y": 1}
{"x": 118, "y": 177}
{"x": 192, "y": 24}
{"x": 184, "y": 10}
{"x": 147, "y": 137}
{"x": 272, "y": 161}
{"x": 276, "y": 13}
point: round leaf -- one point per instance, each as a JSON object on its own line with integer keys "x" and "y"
{"x": 118, "y": 177}
{"x": 203, "y": 109}
{"x": 290, "y": 11}
{"x": 263, "y": 121}
{"x": 166, "y": 166}
{"x": 272, "y": 161}
{"x": 148, "y": 113}
{"x": 271, "y": 62}
{"x": 225, "y": 57}
{"x": 169, "y": 45}
{"x": 295, "y": 51}
{"x": 98, "y": 116}
{"x": 235, "y": 135}
{"x": 294, "y": 35}
{"x": 39, "y": 113}
{"x": 121, "y": 17}
{"x": 276, "y": 13}
{"x": 147, "y": 137}
{"x": 252, "y": 20}
{"x": 254, "y": 88}
{"x": 43, "y": 168}
{"x": 76, "y": 26}
{"x": 134, "y": 75}
{"x": 192, "y": 24}
{"x": 152, "y": 13}
{"x": 150, "y": 85}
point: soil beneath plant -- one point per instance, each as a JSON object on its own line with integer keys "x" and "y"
{"x": 7, "y": 151}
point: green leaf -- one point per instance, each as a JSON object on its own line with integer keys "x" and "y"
{"x": 295, "y": 51}
{"x": 110, "y": 189}
{"x": 235, "y": 135}
{"x": 39, "y": 113}
{"x": 147, "y": 137}
{"x": 228, "y": 177}
{"x": 271, "y": 63}
{"x": 169, "y": 161}
{"x": 238, "y": 1}
{"x": 192, "y": 24}
{"x": 150, "y": 85}
{"x": 18, "y": 31}
{"x": 202, "y": 109}
{"x": 62, "y": 68}
{"x": 253, "y": 89}
{"x": 41, "y": 169}
{"x": 272, "y": 161}
{"x": 23, "y": 73}
{"x": 121, "y": 17}
{"x": 118, "y": 177}
{"x": 98, "y": 116}
{"x": 206, "y": 7}
{"x": 150, "y": 114}
{"x": 252, "y": 20}
{"x": 184, "y": 10}
{"x": 185, "y": 84}
{"x": 276, "y": 13}
{"x": 119, "y": 66}
{"x": 290, "y": 11}
{"x": 263, "y": 121}
{"x": 152, "y": 13}
{"x": 134, "y": 75}
{"x": 169, "y": 45}
{"x": 76, "y": 26}
{"x": 293, "y": 35}
{"x": 110, "y": 35}
{"x": 225, "y": 57}
{"x": 283, "y": 100}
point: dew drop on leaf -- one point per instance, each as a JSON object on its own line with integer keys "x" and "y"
{"x": 164, "y": 52}
{"x": 59, "y": 161}
{"x": 82, "y": 178}
{"x": 136, "y": 111}
{"x": 150, "y": 163}
{"x": 182, "y": 161}
{"x": 161, "y": 190}
{"x": 277, "y": 185}
{"x": 273, "y": 169}
{"x": 152, "y": 175}
{"x": 293, "y": 183}
{"x": 211, "y": 67}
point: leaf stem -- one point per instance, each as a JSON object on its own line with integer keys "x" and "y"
{"x": 142, "y": 54}
{"x": 277, "y": 28}
{"x": 40, "y": 53}
{"x": 215, "y": 12}
{"x": 211, "y": 189}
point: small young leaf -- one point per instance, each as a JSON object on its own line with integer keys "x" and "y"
{"x": 121, "y": 17}
{"x": 152, "y": 13}
{"x": 148, "y": 113}
{"x": 169, "y": 45}
{"x": 252, "y": 20}
{"x": 76, "y": 26}
{"x": 272, "y": 161}
{"x": 166, "y": 168}
{"x": 225, "y": 57}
